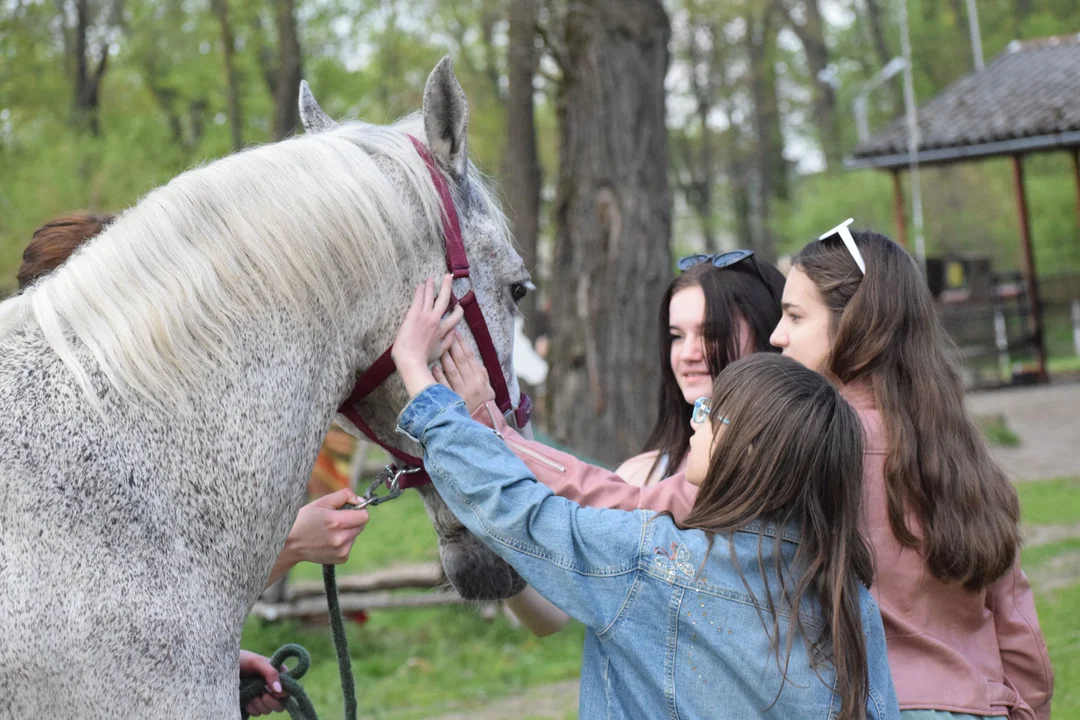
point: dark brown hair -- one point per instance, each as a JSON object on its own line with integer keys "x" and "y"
{"x": 886, "y": 331}
{"x": 54, "y": 242}
{"x": 729, "y": 292}
{"x": 792, "y": 457}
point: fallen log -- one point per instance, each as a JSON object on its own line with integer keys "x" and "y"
{"x": 315, "y": 607}
{"x": 422, "y": 576}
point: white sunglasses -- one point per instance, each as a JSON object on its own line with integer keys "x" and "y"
{"x": 849, "y": 242}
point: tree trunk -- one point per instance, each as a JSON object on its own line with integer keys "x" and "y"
{"x": 232, "y": 82}
{"x": 287, "y": 86}
{"x": 881, "y": 47}
{"x": 768, "y": 145}
{"x": 523, "y": 175}
{"x": 87, "y": 82}
{"x": 613, "y": 217}
{"x": 812, "y": 36}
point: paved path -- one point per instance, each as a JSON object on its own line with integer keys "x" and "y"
{"x": 545, "y": 702}
{"x": 1047, "y": 420}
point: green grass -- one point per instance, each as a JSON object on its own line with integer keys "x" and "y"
{"x": 418, "y": 663}
{"x": 1063, "y": 364}
{"x": 1061, "y": 626}
{"x": 997, "y": 431}
{"x": 1050, "y": 502}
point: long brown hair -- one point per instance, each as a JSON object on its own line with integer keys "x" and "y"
{"x": 54, "y": 242}
{"x": 792, "y": 456}
{"x": 938, "y": 470}
{"x": 730, "y": 292}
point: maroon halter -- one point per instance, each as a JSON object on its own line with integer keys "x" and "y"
{"x": 457, "y": 262}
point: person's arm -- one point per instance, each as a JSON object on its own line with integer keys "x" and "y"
{"x": 1024, "y": 659}
{"x": 322, "y": 533}
{"x": 881, "y": 702}
{"x": 589, "y": 485}
{"x": 583, "y": 560}
{"x": 252, "y": 664}
{"x": 638, "y": 469}
{"x": 568, "y": 477}
{"x": 536, "y": 613}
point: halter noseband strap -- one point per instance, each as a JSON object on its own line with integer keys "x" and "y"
{"x": 457, "y": 262}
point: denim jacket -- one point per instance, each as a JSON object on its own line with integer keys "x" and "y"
{"x": 670, "y": 634}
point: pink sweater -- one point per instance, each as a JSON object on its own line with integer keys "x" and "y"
{"x": 968, "y": 652}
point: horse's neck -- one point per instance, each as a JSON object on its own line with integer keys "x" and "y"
{"x": 258, "y": 426}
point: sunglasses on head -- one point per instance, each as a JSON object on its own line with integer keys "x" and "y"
{"x": 702, "y": 411}
{"x": 727, "y": 259}
{"x": 849, "y": 242}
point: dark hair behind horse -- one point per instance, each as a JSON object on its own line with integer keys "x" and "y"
{"x": 54, "y": 242}
{"x": 792, "y": 455}
{"x": 730, "y": 292}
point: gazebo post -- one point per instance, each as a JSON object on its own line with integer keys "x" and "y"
{"x": 898, "y": 208}
{"x": 1030, "y": 278}
{"x": 1076, "y": 173}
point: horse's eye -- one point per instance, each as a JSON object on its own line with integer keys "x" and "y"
{"x": 518, "y": 291}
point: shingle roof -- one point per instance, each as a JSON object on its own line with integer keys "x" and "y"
{"x": 1029, "y": 91}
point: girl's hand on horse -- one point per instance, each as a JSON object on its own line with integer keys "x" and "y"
{"x": 253, "y": 664}
{"x": 324, "y": 534}
{"x": 463, "y": 373}
{"x": 425, "y": 334}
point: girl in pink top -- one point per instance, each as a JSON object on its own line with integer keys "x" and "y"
{"x": 959, "y": 614}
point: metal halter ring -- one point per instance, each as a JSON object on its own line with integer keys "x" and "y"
{"x": 389, "y": 476}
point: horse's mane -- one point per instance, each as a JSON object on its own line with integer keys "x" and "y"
{"x": 154, "y": 299}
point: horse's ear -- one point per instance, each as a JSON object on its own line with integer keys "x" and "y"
{"x": 446, "y": 118}
{"x": 311, "y": 115}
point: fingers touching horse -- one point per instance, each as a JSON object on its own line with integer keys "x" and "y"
{"x": 164, "y": 394}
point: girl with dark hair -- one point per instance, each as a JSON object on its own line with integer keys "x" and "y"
{"x": 941, "y": 515}
{"x": 757, "y": 599}
{"x": 719, "y": 309}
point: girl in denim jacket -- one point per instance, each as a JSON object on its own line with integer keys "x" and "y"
{"x": 755, "y": 605}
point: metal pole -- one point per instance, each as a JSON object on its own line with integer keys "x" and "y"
{"x": 913, "y": 138}
{"x": 976, "y": 35}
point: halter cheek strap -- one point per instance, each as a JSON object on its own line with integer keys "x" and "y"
{"x": 457, "y": 262}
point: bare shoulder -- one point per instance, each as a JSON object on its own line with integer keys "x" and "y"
{"x": 635, "y": 470}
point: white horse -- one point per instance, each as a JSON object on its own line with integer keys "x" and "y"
{"x": 164, "y": 394}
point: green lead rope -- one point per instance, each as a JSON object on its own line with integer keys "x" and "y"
{"x": 297, "y": 703}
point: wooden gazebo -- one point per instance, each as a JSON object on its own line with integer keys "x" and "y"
{"x": 1026, "y": 100}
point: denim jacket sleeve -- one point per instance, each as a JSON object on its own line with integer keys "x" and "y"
{"x": 881, "y": 702}
{"x": 583, "y": 560}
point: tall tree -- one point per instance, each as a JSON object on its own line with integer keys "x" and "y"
{"x": 87, "y": 71}
{"x": 289, "y": 69}
{"x": 694, "y": 150}
{"x": 771, "y": 172}
{"x": 522, "y": 166}
{"x": 613, "y": 220}
{"x": 877, "y": 26}
{"x": 232, "y": 80}
{"x": 804, "y": 18}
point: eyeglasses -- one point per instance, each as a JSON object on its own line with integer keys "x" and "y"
{"x": 849, "y": 242}
{"x": 727, "y": 259}
{"x": 702, "y": 411}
